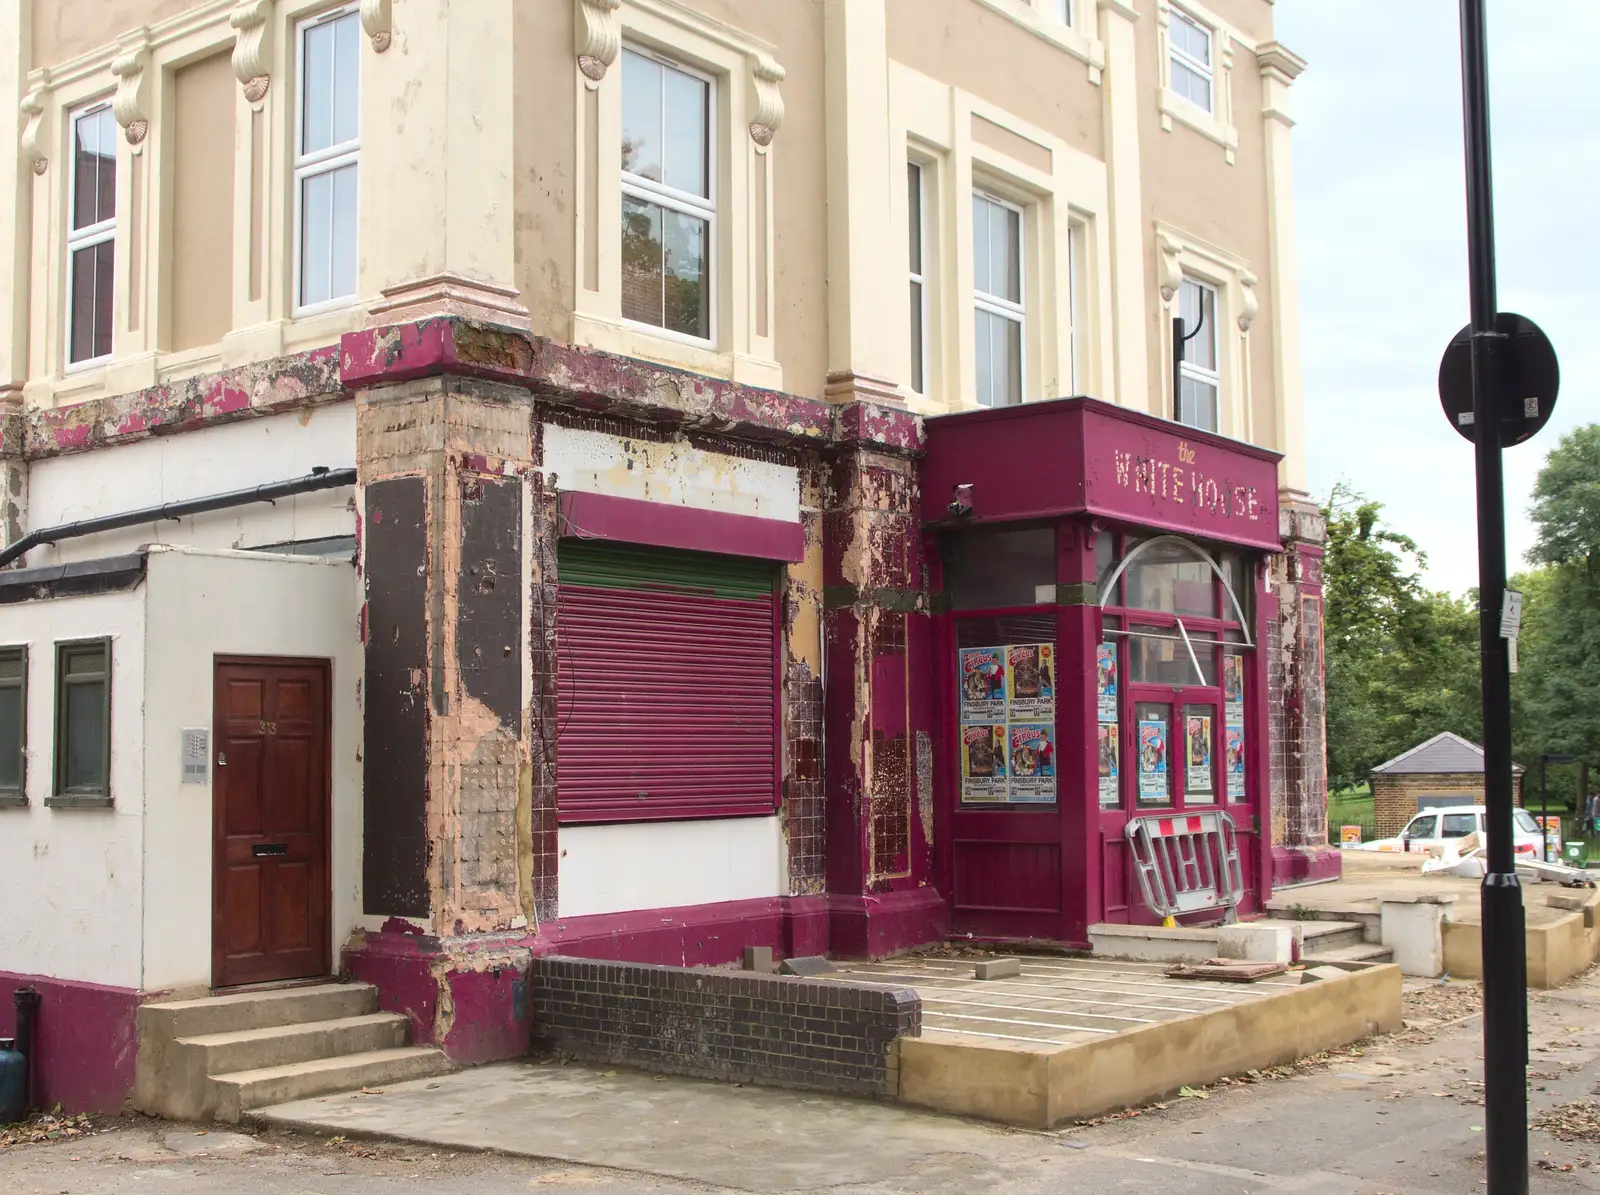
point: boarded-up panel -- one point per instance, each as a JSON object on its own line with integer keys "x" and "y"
{"x": 395, "y": 729}
{"x": 202, "y": 202}
{"x": 1007, "y": 877}
{"x": 667, "y": 683}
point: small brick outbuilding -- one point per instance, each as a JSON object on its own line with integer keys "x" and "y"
{"x": 1446, "y": 770}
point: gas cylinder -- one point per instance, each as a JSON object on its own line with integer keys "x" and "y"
{"x": 13, "y": 1082}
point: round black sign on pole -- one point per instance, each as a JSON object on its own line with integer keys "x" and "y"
{"x": 1529, "y": 375}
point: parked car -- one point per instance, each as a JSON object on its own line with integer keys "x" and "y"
{"x": 1433, "y": 826}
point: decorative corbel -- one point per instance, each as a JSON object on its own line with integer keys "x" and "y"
{"x": 1248, "y": 305}
{"x": 765, "y": 75}
{"x": 377, "y": 18}
{"x": 1169, "y": 269}
{"x": 34, "y": 105}
{"x": 252, "y": 47}
{"x": 598, "y": 38}
{"x": 129, "y": 106}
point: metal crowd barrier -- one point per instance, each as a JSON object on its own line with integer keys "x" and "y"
{"x": 1187, "y": 863}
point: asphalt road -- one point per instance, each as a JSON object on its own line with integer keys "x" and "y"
{"x": 1398, "y": 1116}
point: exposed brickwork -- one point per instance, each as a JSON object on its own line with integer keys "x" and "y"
{"x": 1394, "y": 797}
{"x": 1296, "y": 685}
{"x": 812, "y": 1034}
{"x": 541, "y": 858}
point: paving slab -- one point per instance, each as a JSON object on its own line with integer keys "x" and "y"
{"x": 746, "y": 1138}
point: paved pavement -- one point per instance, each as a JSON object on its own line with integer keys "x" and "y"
{"x": 1400, "y": 1117}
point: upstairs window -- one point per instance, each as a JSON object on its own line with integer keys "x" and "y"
{"x": 668, "y": 212}
{"x": 91, "y": 234}
{"x": 915, "y": 205}
{"x": 327, "y": 150}
{"x": 1064, "y": 11}
{"x": 1190, "y": 44}
{"x": 999, "y": 314}
{"x": 1198, "y": 378}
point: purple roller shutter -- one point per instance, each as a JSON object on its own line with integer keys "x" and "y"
{"x": 667, "y": 685}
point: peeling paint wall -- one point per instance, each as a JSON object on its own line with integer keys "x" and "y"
{"x": 873, "y": 583}
{"x": 466, "y": 449}
{"x": 1297, "y": 684}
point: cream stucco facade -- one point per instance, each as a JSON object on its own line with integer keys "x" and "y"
{"x": 489, "y": 185}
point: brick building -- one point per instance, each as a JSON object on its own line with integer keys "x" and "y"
{"x": 700, "y": 385}
{"x": 1446, "y": 770}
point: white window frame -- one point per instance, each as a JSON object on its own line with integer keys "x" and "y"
{"x": 85, "y": 238}
{"x": 996, "y": 305}
{"x": 919, "y": 275}
{"x": 672, "y": 199}
{"x": 323, "y": 161}
{"x": 1197, "y": 373}
{"x": 1178, "y": 55}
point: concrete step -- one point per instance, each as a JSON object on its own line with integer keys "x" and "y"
{"x": 1319, "y": 937}
{"x": 235, "y": 1094}
{"x": 281, "y": 1045}
{"x": 1363, "y": 912}
{"x": 1349, "y": 957}
{"x": 239, "y": 1011}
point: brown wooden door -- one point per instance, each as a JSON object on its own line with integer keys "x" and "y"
{"x": 270, "y": 886}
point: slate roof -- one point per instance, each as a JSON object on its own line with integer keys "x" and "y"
{"x": 1443, "y": 753}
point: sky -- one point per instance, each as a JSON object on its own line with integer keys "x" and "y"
{"x": 1381, "y": 212}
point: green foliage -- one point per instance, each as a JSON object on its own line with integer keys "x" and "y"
{"x": 1566, "y": 501}
{"x": 1557, "y": 690}
{"x": 1402, "y": 662}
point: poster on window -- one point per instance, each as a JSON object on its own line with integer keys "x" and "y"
{"x": 1108, "y": 765}
{"x": 1197, "y": 736}
{"x": 1152, "y": 759}
{"x": 1032, "y": 757}
{"x": 1031, "y": 682}
{"x": 983, "y": 763}
{"x": 1234, "y": 761}
{"x": 1105, "y": 682}
{"x": 1233, "y": 686}
{"x": 983, "y": 684}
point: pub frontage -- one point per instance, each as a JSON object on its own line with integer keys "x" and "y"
{"x": 1103, "y": 615}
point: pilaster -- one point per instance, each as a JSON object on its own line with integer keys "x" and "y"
{"x": 443, "y": 468}
{"x": 1297, "y": 692}
{"x": 1129, "y": 324}
{"x": 16, "y": 189}
{"x": 1279, "y": 68}
{"x": 866, "y": 277}
{"x": 878, "y": 723}
{"x": 440, "y": 183}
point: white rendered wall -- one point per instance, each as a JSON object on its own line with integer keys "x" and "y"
{"x": 675, "y": 472}
{"x": 661, "y": 865}
{"x": 203, "y": 604}
{"x": 70, "y": 897}
{"x": 197, "y": 464}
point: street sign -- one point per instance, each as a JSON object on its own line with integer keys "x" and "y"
{"x": 1528, "y": 370}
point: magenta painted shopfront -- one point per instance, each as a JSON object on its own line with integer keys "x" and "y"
{"x": 1101, "y": 606}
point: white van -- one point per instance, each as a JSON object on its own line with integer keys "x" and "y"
{"x": 1433, "y": 826}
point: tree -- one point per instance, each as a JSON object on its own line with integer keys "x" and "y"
{"x": 1566, "y": 501}
{"x": 1557, "y": 688}
{"x": 1402, "y": 662}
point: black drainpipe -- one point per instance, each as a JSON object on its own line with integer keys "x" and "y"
{"x": 317, "y": 479}
{"x": 26, "y": 1003}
